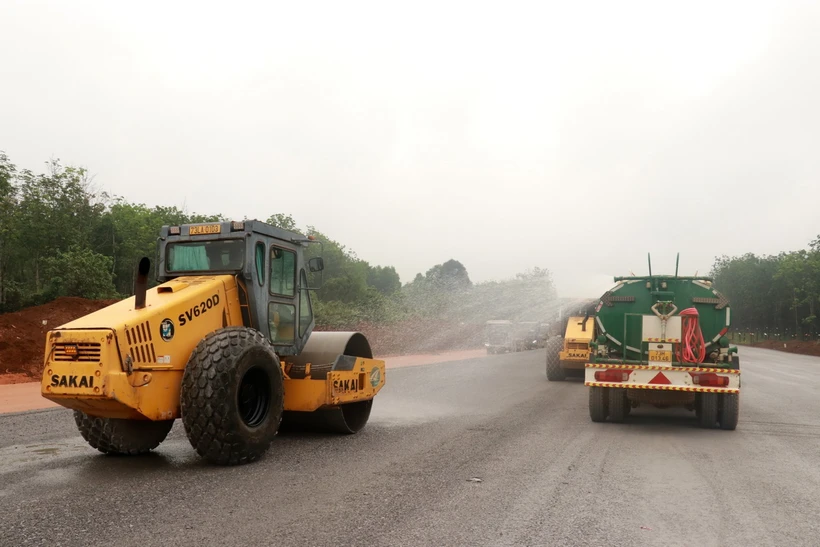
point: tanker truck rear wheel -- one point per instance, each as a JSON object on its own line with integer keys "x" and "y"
{"x": 729, "y": 410}
{"x": 555, "y": 372}
{"x": 598, "y": 403}
{"x": 618, "y": 404}
{"x": 122, "y": 437}
{"x": 232, "y": 396}
{"x": 708, "y": 404}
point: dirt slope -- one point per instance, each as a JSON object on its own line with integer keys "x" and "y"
{"x": 803, "y": 347}
{"x": 22, "y": 334}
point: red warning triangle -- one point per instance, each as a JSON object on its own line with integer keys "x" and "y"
{"x": 660, "y": 378}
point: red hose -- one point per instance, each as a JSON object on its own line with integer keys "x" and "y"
{"x": 694, "y": 348}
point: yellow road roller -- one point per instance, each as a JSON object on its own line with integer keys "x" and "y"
{"x": 225, "y": 342}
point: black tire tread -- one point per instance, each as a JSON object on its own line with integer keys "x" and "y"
{"x": 617, "y": 404}
{"x": 555, "y": 372}
{"x": 598, "y": 404}
{"x": 205, "y": 399}
{"x": 709, "y": 406}
{"x": 729, "y": 411}
{"x": 122, "y": 437}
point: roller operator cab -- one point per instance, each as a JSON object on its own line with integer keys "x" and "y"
{"x": 660, "y": 340}
{"x": 225, "y": 342}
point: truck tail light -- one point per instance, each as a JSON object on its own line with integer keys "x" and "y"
{"x": 619, "y": 375}
{"x": 709, "y": 379}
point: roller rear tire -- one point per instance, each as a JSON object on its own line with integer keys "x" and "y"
{"x": 122, "y": 437}
{"x": 555, "y": 373}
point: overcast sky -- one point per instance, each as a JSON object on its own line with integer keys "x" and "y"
{"x": 574, "y": 136}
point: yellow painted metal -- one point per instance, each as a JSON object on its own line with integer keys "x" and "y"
{"x": 101, "y": 387}
{"x": 362, "y": 383}
{"x": 120, "y": 362}
{"x": 305, "y": 394}
{"x": 194, "y": 305}
{"x": 137, "y": 371}
{"x": 341, "y": 386}
{"x": 576, "y": 341}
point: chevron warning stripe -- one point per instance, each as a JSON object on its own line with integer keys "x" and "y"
{"x": 663, "y": 388}
{"x": 653, "y": 367}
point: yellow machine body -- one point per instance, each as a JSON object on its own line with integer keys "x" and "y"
{"x": 579, "y": 333}
{"x": 122, "y": 362}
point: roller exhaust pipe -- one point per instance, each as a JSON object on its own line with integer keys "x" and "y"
{"x": 141, "y": 284}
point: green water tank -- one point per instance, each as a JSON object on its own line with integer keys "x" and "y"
{"x": 624, "y": 313}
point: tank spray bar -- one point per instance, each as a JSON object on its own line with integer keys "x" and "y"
{"x": 665, "y": 315}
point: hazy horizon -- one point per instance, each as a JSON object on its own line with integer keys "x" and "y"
{"x": 576, "y": 138}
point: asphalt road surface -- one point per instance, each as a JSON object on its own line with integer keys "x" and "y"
{"x": 549, "y": 476}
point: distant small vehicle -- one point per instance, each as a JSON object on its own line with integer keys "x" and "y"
{"x": 526, "y": 335}
{"x": 498, "y": 336}
{"x": 543, "y": 334}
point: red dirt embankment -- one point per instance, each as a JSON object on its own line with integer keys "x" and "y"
{"x": 803, "y": 347}
{"x": 421, "y": 336}
{"x": 23, "y": 335}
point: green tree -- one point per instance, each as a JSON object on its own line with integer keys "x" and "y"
{"x": 281, "y": 220}
{"x": 800, "y": 271}
{"x": 747, "y": 282}
{"x": 384, "y": 279}
{"x": 79, "y": 272}
{"x": 57, "y": 210}
{"x": 8, "y": 222}
{"x": 449, "y": 275}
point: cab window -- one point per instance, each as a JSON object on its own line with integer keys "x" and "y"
{"x": 305, "y": 310}
{"x": 203, "y": 256}
{"x": 282, "y": 272}
{"x": 282, "y": 322}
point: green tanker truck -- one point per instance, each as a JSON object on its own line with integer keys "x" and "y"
{"x": 660, "y": 340}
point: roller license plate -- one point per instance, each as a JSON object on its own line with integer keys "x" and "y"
{"x": 660, "y": 356}
{"x": 205, "y": 230}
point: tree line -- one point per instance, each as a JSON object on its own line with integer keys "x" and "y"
{"x": 62, "y": 236}
{"x": 776, "y": 295}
